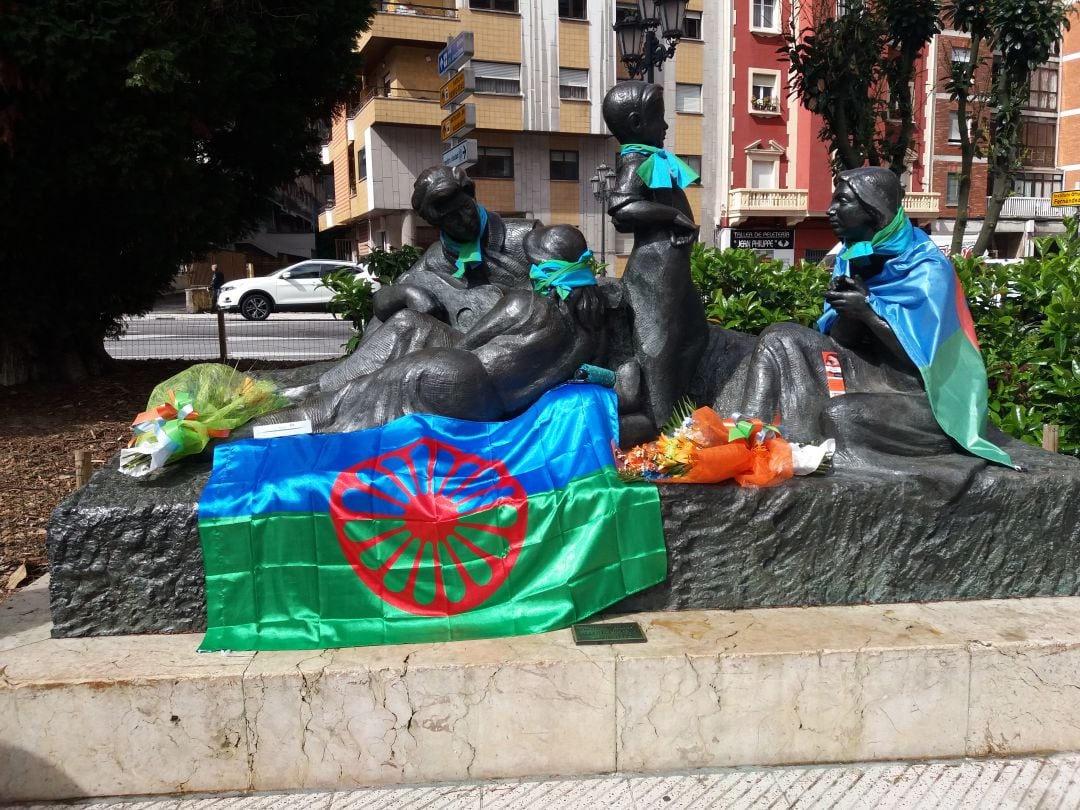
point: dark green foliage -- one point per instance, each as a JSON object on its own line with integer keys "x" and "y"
{"x": 856, "y": 71}
{"x": 746, "y": 293}
{"x": 1027, "y": 318}
{"x": 138, "y": 134}
{"x": 389, "y": 264}
{"x": 352, "y": 301}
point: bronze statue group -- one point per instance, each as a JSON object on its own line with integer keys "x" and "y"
{"x": 500, "y": 311}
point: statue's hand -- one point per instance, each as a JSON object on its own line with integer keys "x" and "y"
{"x": 587, "y": 304}
{"x": 683, "y": 230}
{"x": 848, "y": 297}
{"x": 395, "y": 297}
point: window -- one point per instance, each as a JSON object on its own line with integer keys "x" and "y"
{"x": 815, "y": 255}
{"x": 497, "y": 77}
{"x": 352, "y": 175}
{"x": 954, "y": 127}
{"x": 694, "y": 162}
{"x": 1037, "y": 138}
{"x": 493, "y": 161}
{"x": 688, "y": 98}
{"x": 495, "y": 5}
{"x": 961, "y": 56}
{"x": 763, "y": 173}
{"x": 1034, "y": 184}
{"x": 572, "y": 9}
{"x": 692, "y": 25}
{"x": 361, "y": 164}
{"x": 763, "y": 16}
{"x": 564, "y": 165}
{"x": 625, "y": 11}
{"x": 1044, "y": 89}
{"x": 764, "y": 96}
{"x": 952, "y": 189}
{"x": 574, "y": 84}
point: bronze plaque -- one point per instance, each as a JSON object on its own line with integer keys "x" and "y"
{"x": 611, "y": 633}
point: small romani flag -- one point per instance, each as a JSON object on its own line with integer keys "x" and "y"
{"x": 427, "y": 529}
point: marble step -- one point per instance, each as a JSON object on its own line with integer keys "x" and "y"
{"x": 148, "y": 715}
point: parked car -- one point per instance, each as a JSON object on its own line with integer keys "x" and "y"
{"x": 295, "y": 288}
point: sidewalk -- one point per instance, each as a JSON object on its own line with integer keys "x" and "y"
{"x": 1045, "y": 783}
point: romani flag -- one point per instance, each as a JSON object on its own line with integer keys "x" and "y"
{"x": 426, "y": 529}
{"x": 921, "y": 298}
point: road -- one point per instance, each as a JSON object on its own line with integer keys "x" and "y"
{"x": 283, "y": 336}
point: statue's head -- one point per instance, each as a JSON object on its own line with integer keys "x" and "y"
{"x": 864, "y": 201}
{"x": 564, "y": 242}
{"x": 634, "y": 112}
{"x": 446, "y": 197}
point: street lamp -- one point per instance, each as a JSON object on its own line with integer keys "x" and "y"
{"x": 603, "y": 181}
{"x": 639, "y": 44}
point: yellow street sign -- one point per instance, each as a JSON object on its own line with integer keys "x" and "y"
{"x": 1063, "y": 198}
{"x": 457, "y": 86}
{"x": 460, "y": 122}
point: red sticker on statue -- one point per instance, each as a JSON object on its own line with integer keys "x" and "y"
{"x": 834, "y": 375}
{"x": 430, "y": 529}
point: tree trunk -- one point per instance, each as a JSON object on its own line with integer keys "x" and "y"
{"x": 50, "y": 355}
{"x": 993, "y": 211}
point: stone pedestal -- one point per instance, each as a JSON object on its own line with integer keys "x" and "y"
{"x": 125, "y": 555}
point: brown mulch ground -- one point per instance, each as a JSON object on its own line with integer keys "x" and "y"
{"x": 41, "y": 427}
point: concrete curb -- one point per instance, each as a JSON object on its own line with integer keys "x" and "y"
{"x": 146, "y": 714}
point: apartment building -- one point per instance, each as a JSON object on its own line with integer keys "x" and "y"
{"x": 1068, "y": 147}
{"x": 1045, "y": 136}
{"x": 542, "y": 68}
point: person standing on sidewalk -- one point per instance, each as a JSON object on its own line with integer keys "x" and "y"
{"x": 217, "y": 281}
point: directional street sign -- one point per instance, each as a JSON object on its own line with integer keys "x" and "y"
{"x": 457, "y": 52}
{"x": 782, "y": 239}
{"x": 459, "y": 86}
{"x": 460, "y": 122}
{"x": 463, "y": 154}
{"x": 1060, "y": 199}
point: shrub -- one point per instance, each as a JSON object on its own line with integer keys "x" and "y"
{"x": 352, "y": 301}
{"x": 745, "y": 292}
{"x": 1027, "y": 318}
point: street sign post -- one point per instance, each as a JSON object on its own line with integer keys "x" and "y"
{"x": 781, "y": 239}
{"x": 1061, "y": 199}
{"x": 460, "y": 122}
{"x": 459, "y": 86}
{"x": 462, "y": 154}
{"x": 457, "y": 52}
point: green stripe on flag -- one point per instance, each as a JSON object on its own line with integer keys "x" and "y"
{"x": 282, "y": 581}
{"x": 956, "y": 386}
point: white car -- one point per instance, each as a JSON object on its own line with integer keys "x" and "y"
{"x": 298, "y": 287}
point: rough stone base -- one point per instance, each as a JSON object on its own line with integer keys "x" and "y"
{"x": 137, "y": 715}
{"x": 125, "y": 555}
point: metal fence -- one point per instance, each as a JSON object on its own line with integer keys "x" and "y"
{"x": 220, "y": 336}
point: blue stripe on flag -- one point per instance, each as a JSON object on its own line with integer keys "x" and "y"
{"x": 564, "y": 436}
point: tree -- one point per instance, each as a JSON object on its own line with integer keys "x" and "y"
{"x": 136, "y": 135}
{"x": 1024, "y": 34}
{"x": 857, "y": 69}
{"x": 969, "y": 17}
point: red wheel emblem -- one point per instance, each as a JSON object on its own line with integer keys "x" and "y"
{"x": 429, "y": 528}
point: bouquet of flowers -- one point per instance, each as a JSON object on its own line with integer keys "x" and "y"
{"x": 205, "y": 401}
{"x": 700, "y": 447}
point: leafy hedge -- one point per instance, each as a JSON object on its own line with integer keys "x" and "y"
{"x": 1027, "y": 318}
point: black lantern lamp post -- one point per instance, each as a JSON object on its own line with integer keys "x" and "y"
{"x": 603, "y": 181}
{"x": 640, "y": 32}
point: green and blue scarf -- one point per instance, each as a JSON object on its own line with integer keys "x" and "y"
{"x": 562, "y": 276}
{"x": 661, "y": 168}
{"x": 469, "y": 254}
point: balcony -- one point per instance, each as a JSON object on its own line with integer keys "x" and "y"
{"x": 397, "y": 105}
{"x": 922, "y": 205}
{"x": 326, "y": 219}
{"x": 789, "y": 204}
{"x": 1028, "y": 208}
{"x": 396, "y": 23}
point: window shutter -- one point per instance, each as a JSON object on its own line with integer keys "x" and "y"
{"x": 574, "y": 77}
{"x": 496, "y": 70}
{"x": 688, "y": 98}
